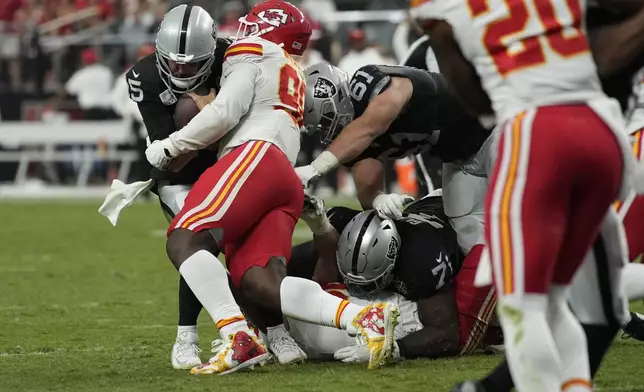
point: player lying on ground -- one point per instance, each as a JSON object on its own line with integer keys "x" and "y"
{"x": 415, "y": 260}
{"x": 388, "y": 112}
{"x": 248, "y": 203}
{"x": 544, "y": 182}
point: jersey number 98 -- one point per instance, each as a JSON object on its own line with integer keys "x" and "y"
{"x": 565, "y": 40}
{"x": 292, "y": 92}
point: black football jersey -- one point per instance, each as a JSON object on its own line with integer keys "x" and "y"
{"x": 434, "y": 119}
{"x": 157, "y": 103}
{"x": 429, "y": 255}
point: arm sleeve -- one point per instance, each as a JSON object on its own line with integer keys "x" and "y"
{"x": 222, "y": 114}
{"x": 158, "y": 120}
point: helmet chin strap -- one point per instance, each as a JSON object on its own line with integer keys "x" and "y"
{"x": 183, "y": 84}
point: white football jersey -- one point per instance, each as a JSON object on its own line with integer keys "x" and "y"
{"x": 526, "y": 55}
{"x": 277, "y": 108}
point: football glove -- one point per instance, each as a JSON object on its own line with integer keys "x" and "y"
{"x": 359, "y": 354}
{"x": 391, "y": 205}
{"x": 314, "y": 215}
{"x": 159, "y": 153}
{"x": 307, "y": 175}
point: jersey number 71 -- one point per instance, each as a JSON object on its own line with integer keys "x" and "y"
{"x": 292, "y": 91}
{"x": 565, "y": 39}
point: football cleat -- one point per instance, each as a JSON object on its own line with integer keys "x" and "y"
{"x": 283, "y": 347}
{"x": 635, "y": 328}
{"x": 185, "y": 353}
{"x": 241, "y": 350}
{"x": 375, "y": 324}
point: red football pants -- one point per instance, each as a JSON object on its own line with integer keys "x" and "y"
{"x": 557, "y": 172}
{"x": 255, "y": 196}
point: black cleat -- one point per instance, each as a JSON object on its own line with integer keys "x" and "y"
{"x": 635, "y": 328}
{"x": 468, "y": 386}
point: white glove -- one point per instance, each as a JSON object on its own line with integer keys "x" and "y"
{"x": 314, "y": 215}
{"x": 391, "y": 205}
{"x": 307, "y": 174}
{"x": 160, "y": 153}
{"x": 352, "y": 354}
{"x": 360, "y": 354}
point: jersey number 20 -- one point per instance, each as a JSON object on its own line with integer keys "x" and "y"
{"x": 564, "y": 40}
{"x": 292, "y": 92}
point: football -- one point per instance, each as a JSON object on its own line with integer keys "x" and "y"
{"x": 184, "y": 111}
{"x": 186, "y": 108}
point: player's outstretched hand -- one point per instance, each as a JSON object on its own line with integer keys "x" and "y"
{"x": 307, "y": 175}
{"x": 391, "y": 205}
{"x": 313, "y": 208}
{"x": 203, "y": 100}
{"x": 314, "y": 215}
{"x": 352, "y": 354}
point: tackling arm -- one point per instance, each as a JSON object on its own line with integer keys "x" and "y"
{"x": 440, "y": 334}
{"x": 221, "y": 115}
{"x": 360, "y": 133}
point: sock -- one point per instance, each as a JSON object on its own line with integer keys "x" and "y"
{"x": 627, "y": 319}
{"x": 187, "y": 333}
{"x": 305, "y": 300}
{"x": 529, "y": 346}
{"x": 208, "y": 280}
{"x": 633, "y": 281}
{"x": 189, "y": 305}
{"x": 570, "y": 340}
{"x": 499, "y": 380}
{"x": 600, "y": 338}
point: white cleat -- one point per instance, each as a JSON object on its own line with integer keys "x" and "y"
{"x": 283, "y": 347}
{"x": 185, "y": 352}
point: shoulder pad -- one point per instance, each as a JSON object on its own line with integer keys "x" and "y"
{"x": 366, "y": 84}
{"x": 247, "y": 50}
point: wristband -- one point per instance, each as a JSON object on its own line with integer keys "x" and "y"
{"x": 325, "y": 162}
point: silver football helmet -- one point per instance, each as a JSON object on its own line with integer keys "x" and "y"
{"x": 367, "y": 252}
{"x": 327, "y": 106}
{"x": 185, "y": 47}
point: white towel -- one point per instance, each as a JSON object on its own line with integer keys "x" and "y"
{"x": 122, "y": 195}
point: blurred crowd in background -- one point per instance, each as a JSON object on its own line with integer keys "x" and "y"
{"x": 50, "y": 49}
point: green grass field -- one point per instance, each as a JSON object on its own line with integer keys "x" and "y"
{"x": 85, "y": 306}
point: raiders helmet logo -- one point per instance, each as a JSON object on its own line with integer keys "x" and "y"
{"x": 392, "y": 250}
{"x": 324, "y": 88}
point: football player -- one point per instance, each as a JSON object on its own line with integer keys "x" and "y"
{"x": 386, "y": 112}
{"x": 188, "y": 55}
{"x": 248, "y": 203}
{"x": 542, "y": 93}
{"x": 414, "y": 260}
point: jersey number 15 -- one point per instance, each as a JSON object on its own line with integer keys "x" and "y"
{"x": 565, "y": 40}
